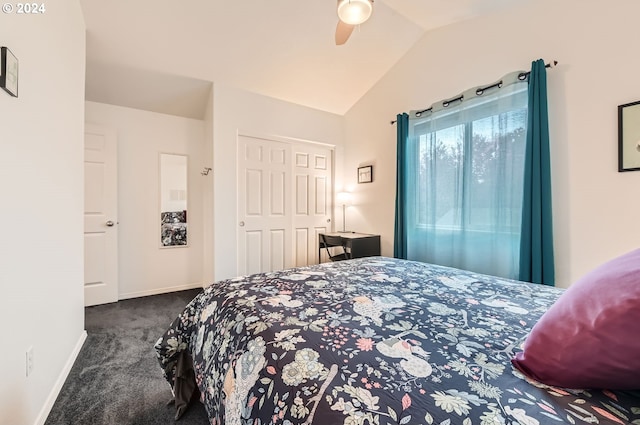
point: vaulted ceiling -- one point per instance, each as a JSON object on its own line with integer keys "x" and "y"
{"x": 163, "y": 55}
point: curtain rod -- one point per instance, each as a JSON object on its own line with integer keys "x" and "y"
{"x": 479, "y": 91}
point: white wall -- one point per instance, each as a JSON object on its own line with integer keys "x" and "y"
{"x": 207, "y": 197}
{"x": 241, "y": 112}
{"x": 595, "y": 207}
{"x": 144, "y": 267}
{"x": 41, "y": 182}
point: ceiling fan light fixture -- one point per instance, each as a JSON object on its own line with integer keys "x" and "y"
{"x": 354, "y": 12}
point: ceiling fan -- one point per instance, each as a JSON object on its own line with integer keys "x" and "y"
{"x": 350, "y": 14}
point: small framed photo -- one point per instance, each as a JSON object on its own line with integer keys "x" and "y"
{"x": 365, "y": 174}
{"x": 629, "y": 137}
{"x": 8, "y": 71}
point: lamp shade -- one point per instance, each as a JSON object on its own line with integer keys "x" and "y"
{"x": 354, "y": 12}
{"x": 343, "y": 198}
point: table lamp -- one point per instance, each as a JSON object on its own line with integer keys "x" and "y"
{"x": 344, "y": 199}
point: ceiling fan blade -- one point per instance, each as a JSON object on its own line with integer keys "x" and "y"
{"x": 343, "y": 32}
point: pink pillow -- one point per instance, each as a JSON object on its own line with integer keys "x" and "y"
{"x": 590, "y": 337}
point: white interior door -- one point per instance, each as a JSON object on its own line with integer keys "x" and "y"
{"x": 264, "y": 211}
{"x": 100, "y": 216}
{"x": 284, "y": 201}
{"x": 313, "y": 194}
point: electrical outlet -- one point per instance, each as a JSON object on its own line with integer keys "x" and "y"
{"x": 29, "y": 361}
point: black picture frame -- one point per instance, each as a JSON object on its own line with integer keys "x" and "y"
{"x": 629, "y": 137}
{"x": 8, "y": 71}
{"x": 365, "y": 174}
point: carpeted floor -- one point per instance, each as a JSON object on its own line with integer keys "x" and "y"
{"x": 116, "y": 378}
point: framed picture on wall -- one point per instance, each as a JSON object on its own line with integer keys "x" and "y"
{"x": 629, "y": 137}
{"x": 8, "y": 71}
{"x": 365, "y": 174}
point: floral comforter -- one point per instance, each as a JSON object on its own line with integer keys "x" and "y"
{"x": 374, "y": 341}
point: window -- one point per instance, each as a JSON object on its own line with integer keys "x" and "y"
{"x": 465, "y": 168}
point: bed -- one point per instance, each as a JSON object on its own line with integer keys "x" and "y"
{"x": 374, "y": 341}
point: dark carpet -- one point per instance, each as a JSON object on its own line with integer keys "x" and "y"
{"x": 116, "y": 378}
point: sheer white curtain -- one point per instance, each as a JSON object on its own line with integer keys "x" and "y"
{"x": 464, "y": 167}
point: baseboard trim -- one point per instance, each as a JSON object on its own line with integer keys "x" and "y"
{"x": 158, "y": 291}
{"x": 57, "y": 387}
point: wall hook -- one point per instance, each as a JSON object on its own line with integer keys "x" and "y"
{"x": 206, "y": 170}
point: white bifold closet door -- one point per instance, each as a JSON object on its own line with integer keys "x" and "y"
{"x": 284, "y": 201}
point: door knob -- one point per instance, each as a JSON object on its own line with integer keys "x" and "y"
{"x": 328, "y": 220}
{"x": 241, "y": 224}
{"x": 109, "y": 223}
